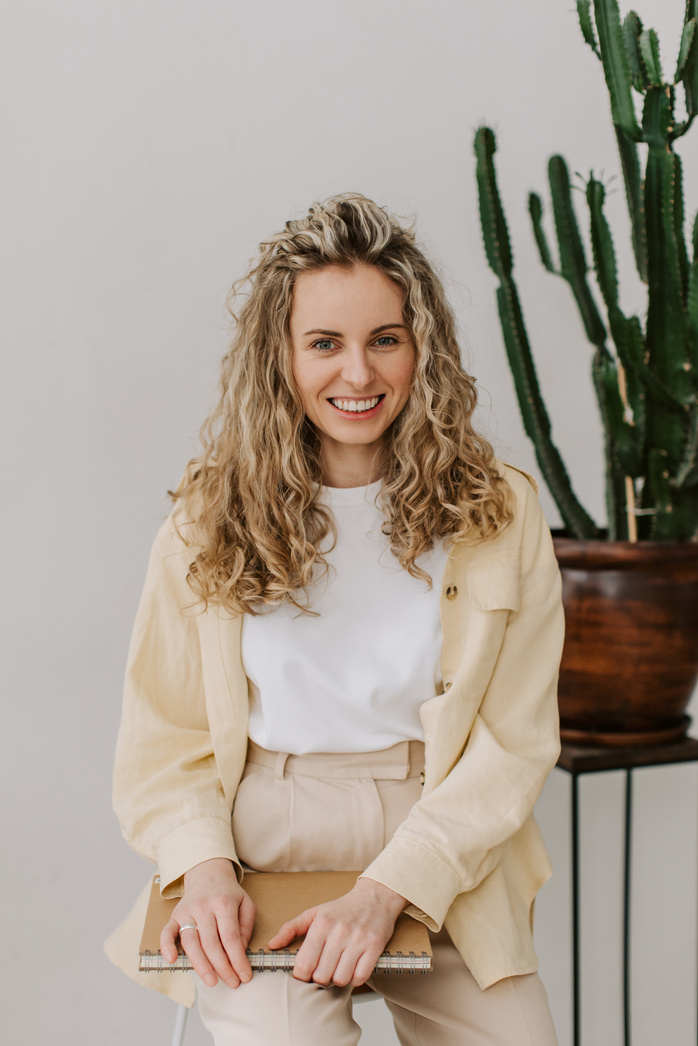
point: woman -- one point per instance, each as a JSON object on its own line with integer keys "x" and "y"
{"x": 349, "y": 636}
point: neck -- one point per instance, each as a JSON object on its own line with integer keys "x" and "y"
{"x": 345, "y": 466}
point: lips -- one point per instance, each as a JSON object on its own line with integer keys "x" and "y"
{"x": 356, "y": 406}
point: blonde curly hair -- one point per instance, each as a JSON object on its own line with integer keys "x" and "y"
{"x": 251, "y": 498}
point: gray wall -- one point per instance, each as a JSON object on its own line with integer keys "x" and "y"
{"x": 148, "y": 147}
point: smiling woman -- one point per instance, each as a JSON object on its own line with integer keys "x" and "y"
{"x": 368, "y": 679}
{"x": 352, "y": 369}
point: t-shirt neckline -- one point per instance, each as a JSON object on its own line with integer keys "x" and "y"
{"x": 363, "y": 495}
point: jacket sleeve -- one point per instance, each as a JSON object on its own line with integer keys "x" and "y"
{"x": 167, "y": 790}
{"x": 454, "y": 835}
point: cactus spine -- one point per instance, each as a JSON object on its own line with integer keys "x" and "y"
{"x": 645, "y": 377}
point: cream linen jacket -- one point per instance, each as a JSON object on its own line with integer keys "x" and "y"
{"x": 469, "y": 855}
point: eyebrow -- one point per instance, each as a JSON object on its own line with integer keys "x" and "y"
{"x": 338, "y": 334}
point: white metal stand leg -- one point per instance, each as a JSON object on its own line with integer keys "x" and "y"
{"x": 180, "y": 1025}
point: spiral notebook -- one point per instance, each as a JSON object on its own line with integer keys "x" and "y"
{"x": 280, "y": 896}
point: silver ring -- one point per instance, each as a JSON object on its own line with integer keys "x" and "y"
{"x": 189, "y": 926}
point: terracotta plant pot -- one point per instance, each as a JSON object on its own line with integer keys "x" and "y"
{"x": 630, "y": 662}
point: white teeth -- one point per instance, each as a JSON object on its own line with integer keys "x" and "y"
{"x": 356, "y": 406}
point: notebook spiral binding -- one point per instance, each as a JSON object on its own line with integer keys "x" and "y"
{"x": 153, "y": 962}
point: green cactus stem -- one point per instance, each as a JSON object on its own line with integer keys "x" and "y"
{"x": 630, "y": 165}
{"x": 535, "y": 417}
{"x": 667, "y": 269}
{"x": 649, "y": 52}
{"x": 573, "y": 269}
{"x": 587, "y": 25}
{"x": 632, "y": 31}
{"x": 687, "y": 71}
{"x": 616, "y": 66}
{"x": 687, "y": 35}
{"x": 573, "y": 265}
{"x": 687, "y": 472}
{"x": 535, "y": 209}
{"x": 692, "y": 304}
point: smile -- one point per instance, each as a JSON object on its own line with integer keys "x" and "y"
{"x": 357, "y": 406}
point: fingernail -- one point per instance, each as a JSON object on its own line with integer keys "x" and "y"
{"x": 210, "y": 980}
{"x": 245, "y": 977}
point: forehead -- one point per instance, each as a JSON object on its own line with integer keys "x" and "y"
{"x": 333, "y": 295}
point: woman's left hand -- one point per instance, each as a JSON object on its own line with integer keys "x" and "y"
{"x": 344, "y": 938}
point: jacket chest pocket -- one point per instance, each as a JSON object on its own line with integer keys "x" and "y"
{"x": 494, "y": 581}
{"x": 479, "y": 595}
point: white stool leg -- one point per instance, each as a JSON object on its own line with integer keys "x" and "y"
{"x": 180, "y": 1025}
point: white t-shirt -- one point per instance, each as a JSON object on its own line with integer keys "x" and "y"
{"x": 352, "y": 678}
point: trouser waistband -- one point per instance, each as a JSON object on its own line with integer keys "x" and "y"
{"x": 401, "y": 761}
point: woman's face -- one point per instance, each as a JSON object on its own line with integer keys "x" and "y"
{"x": 353, "y": 361}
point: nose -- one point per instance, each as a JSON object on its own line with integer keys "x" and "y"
{"x": 357, "y": 369}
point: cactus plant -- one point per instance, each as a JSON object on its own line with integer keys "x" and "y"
{"x": 645, "y": 375}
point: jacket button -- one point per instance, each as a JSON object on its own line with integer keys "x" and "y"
{"x": 451, "y": 592}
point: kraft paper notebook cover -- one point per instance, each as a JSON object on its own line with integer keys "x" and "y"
{"x": 280, "y": 896}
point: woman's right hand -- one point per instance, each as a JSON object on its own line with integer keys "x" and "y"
{"x": 224, "y": 915}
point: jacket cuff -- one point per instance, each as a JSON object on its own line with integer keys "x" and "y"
{"x": 190, "y": 844}
{"x": 419, "y": 875}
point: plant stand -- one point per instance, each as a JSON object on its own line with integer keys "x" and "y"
{"x": 578, "y": 760}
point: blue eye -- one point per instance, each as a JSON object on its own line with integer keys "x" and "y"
{"x": 324, "y": 345}
{"x": 386, "y": 339}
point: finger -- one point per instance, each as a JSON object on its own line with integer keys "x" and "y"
{"x": 215, "y": 953}
{"x": 168, "y": 939}
{"x": 295, "y": 928}
{"x": 343, "y": 972}
{"x": 336, "y": 959}
{"x": 234, "y": 946}
{"x": 353, "y": 966}
{"x": 197, "y": 956}
{"x": 308, "y": 958}
{"x": 246, "y": 917}
{"x": 325, "y": 972}
{"x": 363, "y": 969}
{"x": 283, "y": 936}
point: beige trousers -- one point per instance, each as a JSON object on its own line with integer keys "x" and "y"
{"x": 314, "y": 812}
